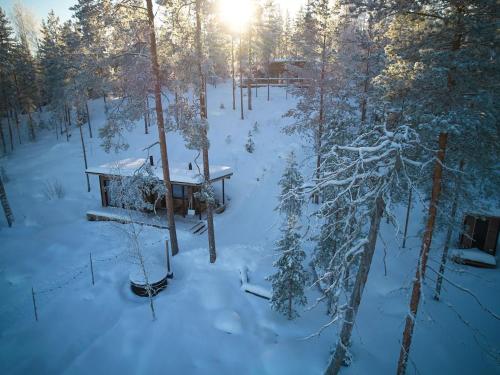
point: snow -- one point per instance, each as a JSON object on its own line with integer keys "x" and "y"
{"x": 474, "y": 255}
{"x": 179, "y": 173}
{"x": 205, "y": 323}
{"x": 154, "y": 271}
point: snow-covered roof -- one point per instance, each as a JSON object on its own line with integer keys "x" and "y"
{"x": 179, "y": 172}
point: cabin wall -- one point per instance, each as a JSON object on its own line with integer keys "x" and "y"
{"x": 481, "y": 233}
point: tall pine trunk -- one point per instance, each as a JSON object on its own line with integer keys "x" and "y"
{"x": 319, "y": 134}
{"x": 232, "y": 72}
{"x": 18, "y": 129}
{"x": 241, "y": 80}
{"x": 250, "y": 75}
{"x": 5, "y": 204}
{"x": 161, "y": 130}
{"x": 11, "y": 136}
{"x": 2, "y": 138}
{"x": 203, "y": 114}
{"x": 449, "y": 232}
{"x": 84, "y": 155}
{"x": 355, "y": 299}
{"x": 424, "y": 254}
{"x": 88, "y": 118}
{"x": 407, "y": 220}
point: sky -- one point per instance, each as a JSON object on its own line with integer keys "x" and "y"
{"x": 41, "y": 8}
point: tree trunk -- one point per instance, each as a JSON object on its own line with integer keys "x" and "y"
{"x": 449, "y": 232}
{"x": 203, "y": 115}
{"x": 2, "y": 138}
{"x": 16, "y": 118}
{"x": 249, "y": 85}
{"x": 11, "y": 137}
{"x": 321, "y": 115}
{"x": 88, "y": 118}
{"x": 148, "y": 112}
{"x": 31, "y": 127}
{"x": 145, "y": 119}
{"x": 357, "y": 292}
{"x": 241, "y": 81}
{"x": 408, "y": 209}
{"x": 232, "y": 72}
{"x": 366, "y": 82}
{"x": 5, "y": 204}
{"x": 84, "y": 156}
{"x": 161, "y": 130}
{"x": 424, "y": 254}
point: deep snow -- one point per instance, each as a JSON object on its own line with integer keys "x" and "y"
{"x": 206, "y": 324}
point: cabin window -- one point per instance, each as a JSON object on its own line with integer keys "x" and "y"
{"x": 177, "y": 191}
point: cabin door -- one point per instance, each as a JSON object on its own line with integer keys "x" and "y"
{"x": 480, "y": 231}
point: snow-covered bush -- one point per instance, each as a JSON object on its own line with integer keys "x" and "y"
{"x": 250, "y": 145}
{"x": 229, "y": 139}
{"x": 222, "y": 106}
{"x": 256, "y": 127}
{"x": 53, "y": 189}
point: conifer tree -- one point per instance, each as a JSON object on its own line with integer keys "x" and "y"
{"x": 290, "y": 278}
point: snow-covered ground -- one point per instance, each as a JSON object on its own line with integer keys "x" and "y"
{"x": 206, "y": 324}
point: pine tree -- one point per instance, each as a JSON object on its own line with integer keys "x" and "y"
{"x": 6, "y": 65}
{"x": 290, "y": 279}
{"x": 291, "y": 198}
{"x": 315, "y": 45}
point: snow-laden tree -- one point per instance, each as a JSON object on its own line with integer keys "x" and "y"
{"x": 7, "y": 92}
{"x": 132, "y": 78}
{"x": 316, "y": 47}
{"x": 92, "y": 23}
{"x": 289, "y": 281}
{"x": 142, "y": 191}
{"x": 291, "y": 199}
{"x": 364, "y": 173}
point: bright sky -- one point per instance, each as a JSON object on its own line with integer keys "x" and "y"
{"x": 41, "y": 8}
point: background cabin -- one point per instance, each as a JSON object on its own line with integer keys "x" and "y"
{"x": 480, "y": 232}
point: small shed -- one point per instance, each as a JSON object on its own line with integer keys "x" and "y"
{"x": 186, "y": 182}
{"x": 480, "y": 232}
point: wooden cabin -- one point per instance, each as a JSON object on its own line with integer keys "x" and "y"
{"x": 480, "y": 232}
{"x": 279, "y": 72}
{"x": 186, "y": 182}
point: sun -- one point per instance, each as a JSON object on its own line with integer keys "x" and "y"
{"x": 235, "y": 14}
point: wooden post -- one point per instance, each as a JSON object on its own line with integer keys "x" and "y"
{"x": 408, "y": 209}
{"x": 91, "y": 268}
{"x": 424, "y": 254}
{"x": 34, "y": 304}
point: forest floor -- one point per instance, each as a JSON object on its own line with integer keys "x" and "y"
{"x": 205, "y": 323}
